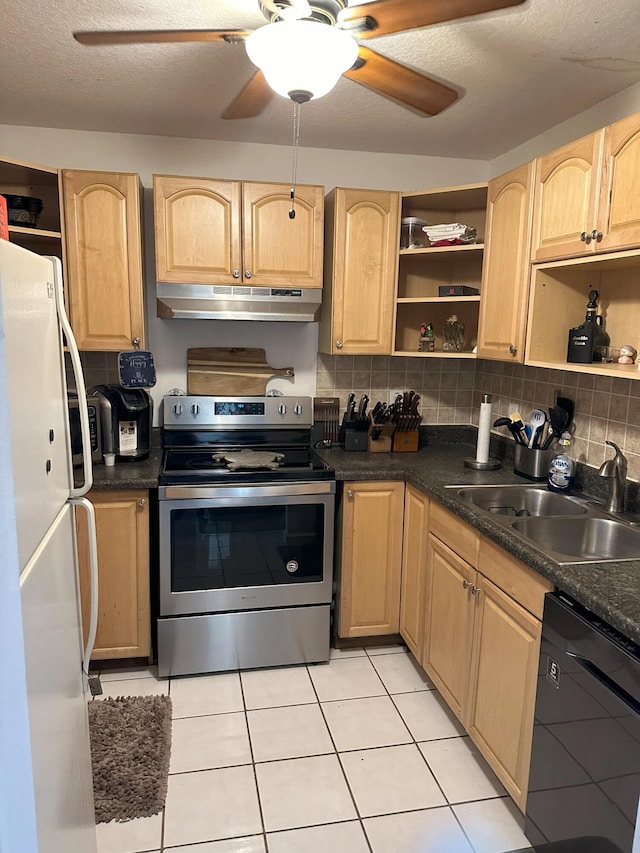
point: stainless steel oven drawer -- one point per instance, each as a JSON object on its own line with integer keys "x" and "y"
{"x": 243, "y": 640}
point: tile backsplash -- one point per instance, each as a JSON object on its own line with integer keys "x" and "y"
{"x": 452, "y": 389}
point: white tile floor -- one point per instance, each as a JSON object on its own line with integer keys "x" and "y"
{"x": 360, "y": 755}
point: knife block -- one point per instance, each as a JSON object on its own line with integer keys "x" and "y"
{"x": 380, "y": 437}
{"x": 405, "y": 441}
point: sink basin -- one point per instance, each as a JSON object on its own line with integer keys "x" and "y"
{"x": 518, "y": 501}
{"x": 581, "y": 540}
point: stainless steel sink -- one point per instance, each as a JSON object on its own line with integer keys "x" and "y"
{"x": 589, "y": 539}
{"x": 510, "y": 502}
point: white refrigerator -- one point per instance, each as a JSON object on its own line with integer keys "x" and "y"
{"x": 46, "y": 795}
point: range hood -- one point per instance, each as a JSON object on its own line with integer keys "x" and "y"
{"x": 226, "y": 302}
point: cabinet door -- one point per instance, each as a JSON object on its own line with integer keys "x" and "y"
{"x": 104, "y": 259}
{"x": 619, "y": 212}
{"x": 503, "y": 686}
{"x": 449, "y": 624}
{"x": 566, "y": 198}
{"x": 371, "y": 559}
{"x": 505, "y": 274}
{"x": 197, "y": 230}
{"x": 363, "y": 272}
{"x": 279, "y": 251}
{"x": 122, "y": 522}
{"x": 414, "y": 568}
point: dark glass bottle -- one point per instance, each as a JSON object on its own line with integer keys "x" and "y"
{"x": 589, "y": 341}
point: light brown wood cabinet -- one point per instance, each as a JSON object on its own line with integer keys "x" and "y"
{"x": 414, "y": 568}
{"x": 122, "y": 523}
{"x": 370, "y": 558}
{"x": 210, "y": 231}
{"x": 482, "y": 638}
{"x": 18, "y": 177}
{"x": 422, "y": 271}
{"x": 362, "y": 228}
{"x": 104, "y": 284}
{"x": 587, "y": 196}
{"x": 505, "y": 273}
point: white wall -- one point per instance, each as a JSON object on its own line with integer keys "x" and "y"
{"x": 606, "y": 112}
{"x": 286, "y": 344}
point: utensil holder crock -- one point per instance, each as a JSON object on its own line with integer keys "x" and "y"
{"x": 532, "y": 464}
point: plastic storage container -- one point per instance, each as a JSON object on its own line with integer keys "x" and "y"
{"x": 411, "y": 234}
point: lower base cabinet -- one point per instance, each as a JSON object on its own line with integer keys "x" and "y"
{"x": 370, "y": 558}
{"x": 122, "y": 525}
{"x": 483, "y": 613}
{"x": 414, "y": 568}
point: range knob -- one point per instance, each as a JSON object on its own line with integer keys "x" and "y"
{"x": 297, "y": 409}
{"x": 178, "y": 409}
{"x": 282, "y": 409}
{"x": 195, "y": 409}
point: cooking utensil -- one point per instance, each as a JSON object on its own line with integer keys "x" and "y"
{"x": 537, "y": 419}
{"x": 517, "y": 428}
{"x": 227, "y": 371}
{"x": 566, "y": 404}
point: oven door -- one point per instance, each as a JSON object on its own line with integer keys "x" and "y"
{"x": 227, "y": 548}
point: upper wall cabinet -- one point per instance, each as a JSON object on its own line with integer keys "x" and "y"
{"x": 566, "y": 199}
{"x": 27, "y": 179}
{"x": 505, "y": 274}
{"x": 104, "y": 259}
{"x": 422, "y": 272}
{"x": 227, "y": 232}
{"x": 360, "y": 263}
{"x": 619, "y": 210}
{"x": 588, "y": 194}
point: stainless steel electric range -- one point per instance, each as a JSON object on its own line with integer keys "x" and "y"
{"x": 246, "y": 536}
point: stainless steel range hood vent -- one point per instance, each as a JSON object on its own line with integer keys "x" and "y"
{"x": 220, "y": 302}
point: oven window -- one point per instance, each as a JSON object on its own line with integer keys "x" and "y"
{"x": 230, "y": 547}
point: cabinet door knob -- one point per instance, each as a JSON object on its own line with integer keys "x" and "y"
{"x": 236, "y": 273}
{"x": 338, "y": 344}
{"x": 350, "y": 493}
{"x": 513, "y": 349}
{"x": 142, "y": 502}
{"x": 596, "y": 235}
{"x": 586, "y": 238}
{"x": 475, "y": 590}
{"x": 247, "y": 273}
{"x": 465, "y": 584}
{"x": 136, "y": 343}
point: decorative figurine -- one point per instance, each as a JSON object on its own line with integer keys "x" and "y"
{"x": 427, "y": 342}
{"x": 627, "y": 354}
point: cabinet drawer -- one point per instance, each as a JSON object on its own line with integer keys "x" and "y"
{"x": 457, "y": 534}
{"x": 523, "y": 584}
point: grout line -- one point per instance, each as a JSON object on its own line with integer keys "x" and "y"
{"x": 253, "y": 764}
{"x": 337, "y": 754}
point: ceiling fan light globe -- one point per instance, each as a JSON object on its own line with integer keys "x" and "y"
{"x": 301, "y": 56}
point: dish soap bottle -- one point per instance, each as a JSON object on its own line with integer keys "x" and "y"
{"x": 562, "y": 467}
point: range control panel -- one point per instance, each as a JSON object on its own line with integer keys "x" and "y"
{"x": 201, "y": 412}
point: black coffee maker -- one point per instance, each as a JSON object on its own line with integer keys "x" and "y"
{"x": 126, "y": 416}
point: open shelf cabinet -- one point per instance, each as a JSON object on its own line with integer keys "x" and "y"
{"x": 422, "y": 271}
{"x": 558, "y": 302}
{"x": 20, "y": 178}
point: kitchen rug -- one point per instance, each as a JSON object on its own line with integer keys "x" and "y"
{"x": 130, "y": 751}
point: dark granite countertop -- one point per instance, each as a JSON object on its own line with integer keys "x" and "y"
{"x": 129, "y": 475}
{"x": 610, "y": 590}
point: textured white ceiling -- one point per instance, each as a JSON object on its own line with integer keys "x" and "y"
{"x": 519, "y": 72}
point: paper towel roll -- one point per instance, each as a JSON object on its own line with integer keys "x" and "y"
{"x": 484, "y": 430}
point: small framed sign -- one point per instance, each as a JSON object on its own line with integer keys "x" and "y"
{"x": 136, "y": 369}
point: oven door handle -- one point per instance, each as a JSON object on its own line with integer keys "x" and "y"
{"x": 247, "y": 491}
{"x": 607, "y": 682}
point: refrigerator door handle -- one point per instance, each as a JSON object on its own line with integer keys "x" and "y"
{"x": 77, "y": 370}
{"x": 93, "y": 578}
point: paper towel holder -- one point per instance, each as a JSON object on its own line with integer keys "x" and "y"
{"x": 491, "y": 464}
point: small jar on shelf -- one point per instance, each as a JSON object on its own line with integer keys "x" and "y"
{"x": 453, "y": 337}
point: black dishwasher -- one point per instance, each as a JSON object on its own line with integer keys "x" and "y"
{"x": 584, "y": 782}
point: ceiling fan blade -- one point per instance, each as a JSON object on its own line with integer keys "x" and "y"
{"x": 383, "y": 17}
{"x": 252, "y": 100}
{"x": 409, "y": 88}
{"x": 158, "y": 36}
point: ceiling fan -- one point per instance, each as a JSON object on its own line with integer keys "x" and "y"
{"x": 305, "y": 40}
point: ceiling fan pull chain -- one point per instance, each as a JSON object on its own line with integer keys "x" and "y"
{"x": 296, "y": 149}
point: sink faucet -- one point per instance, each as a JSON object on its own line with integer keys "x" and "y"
{"x": 615, "y": 470}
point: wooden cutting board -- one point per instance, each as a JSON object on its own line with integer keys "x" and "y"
{"x": 230, "y": 371}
